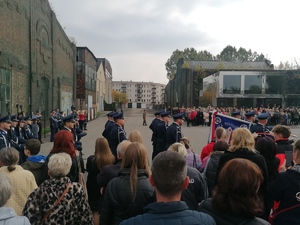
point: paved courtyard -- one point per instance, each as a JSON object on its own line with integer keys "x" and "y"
{"x": 134, "y": 121}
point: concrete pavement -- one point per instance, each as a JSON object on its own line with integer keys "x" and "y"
{"x": 133, "y": 121}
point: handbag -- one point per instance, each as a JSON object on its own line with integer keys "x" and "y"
{"x": 276, "y": 212}
{"x": 81, "y": 178}
{"x": 56, "y": 203}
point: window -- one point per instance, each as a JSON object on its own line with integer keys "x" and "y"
{"x": 5, "y": 80}
{"x": 253, "y": 84}
{"x": 232, "y": 84}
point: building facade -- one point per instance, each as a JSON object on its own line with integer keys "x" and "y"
{"x": 104, "y": 83}
{"x": 140, "y": 94}
{"x": 185, "y": 88}
{"x": 37, "y": 59}
{"x": 254, "y": 88}
{"x": 86, "y": 80}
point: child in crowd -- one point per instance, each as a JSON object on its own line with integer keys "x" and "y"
{"x": 34, "y": 162}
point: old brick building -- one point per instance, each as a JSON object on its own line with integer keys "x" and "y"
{"x": 37, "y": 59}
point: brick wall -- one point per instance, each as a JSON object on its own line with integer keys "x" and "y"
{"x": 40, "y": 56}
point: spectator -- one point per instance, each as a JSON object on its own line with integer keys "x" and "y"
{"x": 169, "y": 177}
{"x": 94, "y": 165}
{"x": 62, "y": 201}
{"x": 268, "y": 149}
{"x": 196, "y": 191}
{"x": 220, "y": 135}
{"x": 210, "y": 168}
{"x": 81, "y": 119}
{"x": 126, "y": 195}
{"x": 192, "y": 159}
{"x": 243, "y": 147}
{"x": 7, "y": 214}
{"x": 111, "y": 171}
{"x": 63, "y": 142}
{"x": 34, "y": 162}
{"x": 235, "y": 199}
{"x": 135, "y": 136}
{"x": 22, "y": 181}
{"x": 281, "y": 136}
{"x": 286, "y": 190}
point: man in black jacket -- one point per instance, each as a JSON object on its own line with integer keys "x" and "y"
{"x": 169, "y": 177}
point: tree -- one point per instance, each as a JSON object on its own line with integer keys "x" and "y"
{"x": 119, "y": 97}
{"x": 229, "y": 53}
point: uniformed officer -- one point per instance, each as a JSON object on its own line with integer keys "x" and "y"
{"x": 4, "y": 128}
{"x": 53, "y": 125}
{"x": 174, "y": 133}
{"x": 160, "y": 133}
{"x": 15, "y": 141}
{"x": 117, "y": 133}
{"x": 108, "y": 125}
{"x": 236, "y": 114}
{"x": 27, "y": 128}
{"x": 261, "y": 127}
{"x": 250, "y": 116}
{"x": 68, "y": 124}
{"x": 153, "y": 128}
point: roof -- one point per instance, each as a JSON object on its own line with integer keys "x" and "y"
{"x": 225, "y": 65}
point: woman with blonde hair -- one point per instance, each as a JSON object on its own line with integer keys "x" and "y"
{"x": 192, "y": 159}
{"x": 22, "y": 181}
{"x": 243, "y": 146}
{"x": 135, "y": 136}
{"x": 102, "y": 157}
{"x": 126, "y": 195}
{"x": 58, "y": 200}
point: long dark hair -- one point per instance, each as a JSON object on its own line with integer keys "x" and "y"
{"x": 236, "y": 189}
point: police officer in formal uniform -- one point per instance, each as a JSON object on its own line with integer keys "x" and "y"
{"x": 53, "y": 125}
{"x": 27, "y": 128}
{"x": 236, "y": 114}
{"x": 174, "y": 133}
{"x": 108, "y": 125}
{"x": 152, "y": 127}
{"x": 160, "y": 133}
{"x": 68, "y": 123}
{"x": 117, "y": 133}
{"x": 250, "y": 117}
{"x": 4, "y": 128}
{"x": 261, "y": 127}
{"x": 16, "y": 141}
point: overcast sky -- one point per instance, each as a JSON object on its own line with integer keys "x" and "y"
{"x": 138, "y": 36}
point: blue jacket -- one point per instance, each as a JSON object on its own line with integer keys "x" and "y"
{"x": 173, "y": 134}
{"x": 170, "y": 213}
{"x": 117, "y": 135}
{"x": 9, "y": 217}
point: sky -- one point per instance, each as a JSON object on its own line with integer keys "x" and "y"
{"x": 138, "y": 36}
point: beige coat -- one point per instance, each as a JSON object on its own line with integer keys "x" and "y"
{"x": 23, "y": 183}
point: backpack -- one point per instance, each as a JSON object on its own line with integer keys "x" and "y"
{"x": 204, "y": 181}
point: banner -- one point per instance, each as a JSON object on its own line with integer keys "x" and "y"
{"x": 228, "y": 123}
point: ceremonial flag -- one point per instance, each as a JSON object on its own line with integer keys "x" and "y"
{"x": 227, "y": 122}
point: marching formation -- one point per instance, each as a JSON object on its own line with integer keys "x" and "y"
{"x": 242, "y": 176}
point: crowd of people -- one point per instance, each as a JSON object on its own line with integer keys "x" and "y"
{"x": 202, "y": 116}
{"x": 243, "y": 182}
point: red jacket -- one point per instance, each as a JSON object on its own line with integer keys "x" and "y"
{"x": 207, "y": 149}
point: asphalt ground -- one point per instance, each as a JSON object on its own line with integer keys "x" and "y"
{"x": 198, "y": 135}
